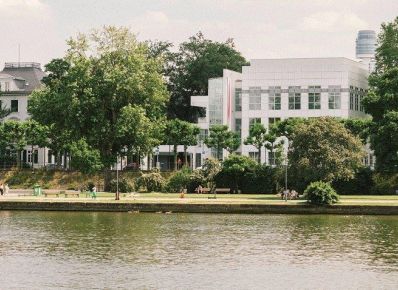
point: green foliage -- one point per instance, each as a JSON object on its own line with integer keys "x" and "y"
{"x": 149, "y": 182}
{"x": 362, "y": 183}
{"x": 211, "y": 167}
{"x": 322, "y": 149}
{"x": 358, "y": 127}
{"x": 384, "y": 142}
{"x": 178, "y": 132}
{"x": 321, "y": 193}
{"x": 221, "y": 138}
{"x": 287, "y": 127}
{"x": 233, "y": 171}
{"x": 256, "y": 138}
{"x": 125, "y": 186}
{"x": 196, "y": 61}
{"x": 382, "y": 100}
{"x": 85, "y": 158}
{"x": 179, "y": 180}
{"x": 263, "y": 179}
{"x": 385, "y": 183}
{"x": 105, "y": 83}
{"x": 196, "y": 178}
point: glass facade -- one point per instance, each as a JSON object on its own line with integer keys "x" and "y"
{"x": 215, "y": 101}
{"x": 238, "y": 99}
{"x": 365, "y": 43}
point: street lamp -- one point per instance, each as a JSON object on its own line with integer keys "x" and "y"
{"x": 117, "y": 197}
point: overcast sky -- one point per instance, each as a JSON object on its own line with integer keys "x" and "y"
{"x": 261, "y": 28}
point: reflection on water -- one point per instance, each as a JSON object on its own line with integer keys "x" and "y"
{"x": 69, "y": 250}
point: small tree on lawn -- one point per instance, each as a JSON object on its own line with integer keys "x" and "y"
{"x": 221, "y": 138}
{"x": 257, "y": 138}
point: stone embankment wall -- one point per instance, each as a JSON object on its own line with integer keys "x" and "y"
{"x": 198, "y": 208}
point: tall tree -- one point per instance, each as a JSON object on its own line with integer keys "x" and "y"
{"x": 86, "y": 91}
{"x": 382, "y": 100}
{"x": 323, "y": 149}
{"x": 197, "y": 60}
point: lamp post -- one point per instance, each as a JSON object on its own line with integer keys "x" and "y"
{"x": 117, "y": 197}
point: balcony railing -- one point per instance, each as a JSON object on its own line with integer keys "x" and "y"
{"x": 22, "y": 64}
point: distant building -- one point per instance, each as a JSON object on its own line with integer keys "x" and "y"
{"x": 270, "y": 90}
{"x": 17, "y": 81}
{"x": 365, "y": 49}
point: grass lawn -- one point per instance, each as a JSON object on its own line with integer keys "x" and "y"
{"x": 156, "y": 197}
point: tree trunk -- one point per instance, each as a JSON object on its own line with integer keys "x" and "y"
{"x": 107, "y": 179}
{"x": 259, "y": 156}
{"x": 175, "y": 157}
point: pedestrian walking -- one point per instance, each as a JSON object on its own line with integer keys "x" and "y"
{"x": 6, "y": 188}
{"x": 1, "y": 189}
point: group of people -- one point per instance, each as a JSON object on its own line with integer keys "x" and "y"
{"x": 289, "y": 194}
{"x": 4, "y": 188}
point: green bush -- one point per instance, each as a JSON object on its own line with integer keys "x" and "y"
{"x": 150, "y": 182}
{"x": 233, "y": 171}
{"x": 195, "y": 179}
{"x": 362, "y": 183}
{"x": 385, "y": 184}
{"x": 320, "y": 193}
{"x": 178, "y": 181}
{"x": 263, "y": 179}
{"x": 124, "y": 185}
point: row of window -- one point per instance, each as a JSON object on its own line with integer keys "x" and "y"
{"x": 314, "y": 101}
{"x": 6, "y": 87}
{"x": 294, "y": 98}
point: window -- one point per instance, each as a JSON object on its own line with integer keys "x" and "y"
{"x": 7, "y": 86}
{"x": 29, "y": 156}
{"x": 36, "y": 156}
{"x": 351, "y": 98}
{"x": 362, "y": 94}
{"x": 238, "y": 99}
{"x": 253, "y": 121}
{"x": 254, "y": 98}
{"x": 274, "y": 98}
{"x": 238, "y": 127}
{"x": 198, "y": 160}
{"x": 294, "y": 98}
{"x": 272, "y": 121}
{"x": 254, "y": 156}
{"x": 50, "y": 156}
{"x": 334, "y": 100}
{"x": 356, "y": 102}
{"x": 203, "y": 134}
{"x": 14, "y": 105}
{"x": 271, "y": 158}
{"x": 314, "y": 97}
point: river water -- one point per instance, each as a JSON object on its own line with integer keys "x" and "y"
{"x": 69, "y": 250}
